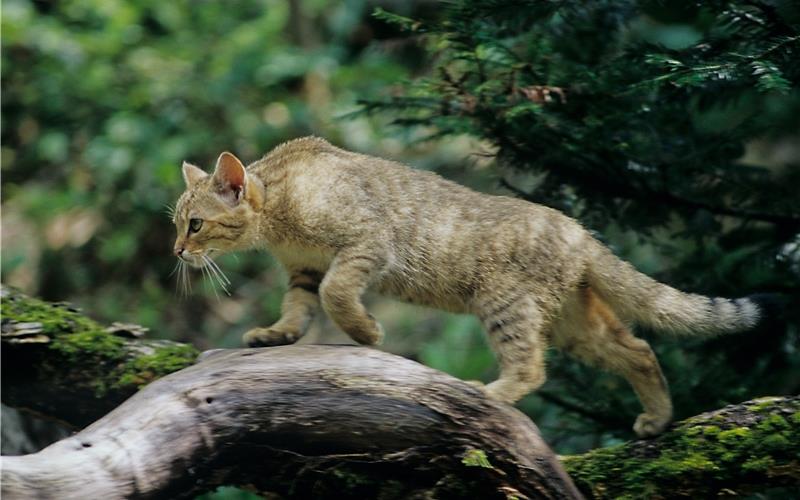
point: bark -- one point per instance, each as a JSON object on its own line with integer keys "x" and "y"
{"x": 299, "y": 422}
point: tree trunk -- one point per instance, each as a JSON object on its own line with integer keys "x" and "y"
{"x": 299, "y": 422}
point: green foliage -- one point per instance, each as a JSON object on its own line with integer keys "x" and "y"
{"x": 460, "y": 350}
{"x": 103, "y": 100}
{"x": 659, "y": 126}
{"x": 612, "y": 101}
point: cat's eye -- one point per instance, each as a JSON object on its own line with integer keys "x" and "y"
{"x": 195, "y": 225}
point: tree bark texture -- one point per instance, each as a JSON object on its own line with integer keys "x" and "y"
{"x": 299, "y": 422}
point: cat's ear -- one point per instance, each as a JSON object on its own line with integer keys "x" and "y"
{"x": 230, "y": 178}
{"x": 192, "y": 174}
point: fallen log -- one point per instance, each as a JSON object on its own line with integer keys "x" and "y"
{"x": 67, "y": 367}
{"x": 739, "y": 450}
{"x": 299, "y": 422}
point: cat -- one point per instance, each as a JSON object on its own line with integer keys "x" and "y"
{"x": 341, "y": 223}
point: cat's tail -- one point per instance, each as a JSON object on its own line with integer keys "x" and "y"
{"x": 638, "y": 298}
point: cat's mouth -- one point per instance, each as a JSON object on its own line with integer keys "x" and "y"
{"x": 196, "y": 261}
{"x": 202, "y": 261}
{"x": 199, "y": 259}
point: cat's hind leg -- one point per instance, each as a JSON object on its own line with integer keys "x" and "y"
{"x": 300, "y": 304}
{"x": 514, "y": 325}
{"x": 589, "y": 330}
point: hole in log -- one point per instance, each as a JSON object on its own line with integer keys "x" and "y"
{"x": 209, "y": 400}
{"x": 86, "y": 445}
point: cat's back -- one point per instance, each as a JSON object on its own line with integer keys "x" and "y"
{"x": 323, "y": 181}
{"x": 311, "y": 166}
{"x": 295, "y": 155}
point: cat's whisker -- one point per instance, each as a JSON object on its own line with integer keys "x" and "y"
{"x": 224, "y": 277}
{"x": 170, "y": 210}
{"x": 216, "y": 276}
{"x": 177, "y": 272}
{"x": 209, "y": 277}
{"x": 216, "y": 272}
{"x": 187, "y": 281}
{"x": 224, "y": 282}
{"x": 218, "y": 269}
{"x": 210, "y": 265}
{"x": 181, "y": 284}
{"x": 174, "y": 269}
{"x": 184, "y": 286}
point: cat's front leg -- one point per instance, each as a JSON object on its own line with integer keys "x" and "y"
{"x": 351, "y": 272}
{"x": 299, "y": 305}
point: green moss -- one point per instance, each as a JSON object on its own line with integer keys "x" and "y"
{"x": 89, "y": 343}
{"x": 762, "y": 404}
{"x": 698, "y": 453}
{"x": 104, "y": 358}
{"x": 775, "y": 442}
{"x": 682, "y": 463}
{"x": 774, "y": 423}
{"x": 694, "y": 430}
{"x": 351, "y": 479}
{"x": 56, "y": 319}
{"x": 476, "y": 458}
{"x": 165, "y": 360}
{"x": 70, "y": 332}
{"x": 733, "y": 436}
{"x": 758, "y": 464}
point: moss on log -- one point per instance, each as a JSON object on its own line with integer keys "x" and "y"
{"x": 737, "y": 450}
{"x": 59, "y": 363}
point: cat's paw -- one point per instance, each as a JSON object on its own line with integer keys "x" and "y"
{"x": 269, "y": 337}
{"x": 648, "y": 425}
{"x": 372, "y": 335}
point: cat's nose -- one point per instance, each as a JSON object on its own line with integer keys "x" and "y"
{"x": 178, "y": 252}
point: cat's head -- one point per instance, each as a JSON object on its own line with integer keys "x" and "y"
{"x": 218, "y": 212}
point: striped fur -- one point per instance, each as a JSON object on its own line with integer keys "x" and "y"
{"x": 342, "y": 223}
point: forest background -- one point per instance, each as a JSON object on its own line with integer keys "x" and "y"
{"x": 669, "y": 129}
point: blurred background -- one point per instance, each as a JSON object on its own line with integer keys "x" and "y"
{"x": 669, "y": 129}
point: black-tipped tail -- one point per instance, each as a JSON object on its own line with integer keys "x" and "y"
{"x": 774, "y": 309}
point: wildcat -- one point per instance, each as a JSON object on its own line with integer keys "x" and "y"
{"x": 342, "y": 222}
